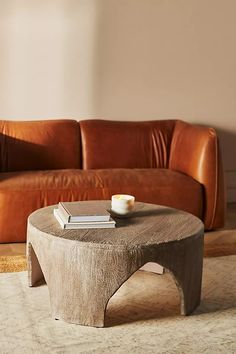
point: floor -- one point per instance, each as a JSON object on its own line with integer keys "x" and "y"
{"x": 223, "y": 242}
{"x": 217, "y": 243}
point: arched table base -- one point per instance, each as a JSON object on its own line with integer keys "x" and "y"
{"x": 82, "y": 277}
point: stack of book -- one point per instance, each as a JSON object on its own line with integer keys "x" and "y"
{"x": 77, "y": 215}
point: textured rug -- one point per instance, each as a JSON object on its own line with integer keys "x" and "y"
{"x": 142, "y": 317}
{"x": 12, "y": 263}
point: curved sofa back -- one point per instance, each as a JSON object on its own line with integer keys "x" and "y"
{"x": 113, "y": 144}
{"x": 88, "y": 144}
{"x": 39, "y": 145}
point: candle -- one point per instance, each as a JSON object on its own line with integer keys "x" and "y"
{"x": 122, "y": 204}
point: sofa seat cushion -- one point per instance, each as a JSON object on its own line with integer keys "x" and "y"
{"x": 23, "y": 192}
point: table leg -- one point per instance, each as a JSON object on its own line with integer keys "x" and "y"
{"x": 184, "y": 259}
{"x": 35, "y": 274}
{"x": 82, "y": 280}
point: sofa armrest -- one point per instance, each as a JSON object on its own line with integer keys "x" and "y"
{"x": 195, "y": 151}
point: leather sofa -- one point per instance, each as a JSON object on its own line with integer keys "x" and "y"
{"x": 168, "y": 162}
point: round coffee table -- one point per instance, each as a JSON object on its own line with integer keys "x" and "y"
{"x": 84, "y": 268}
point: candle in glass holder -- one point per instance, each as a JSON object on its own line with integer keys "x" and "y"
{"x": 122, "y": 204}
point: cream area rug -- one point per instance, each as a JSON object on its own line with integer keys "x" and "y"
{"x": 142, "y": 317}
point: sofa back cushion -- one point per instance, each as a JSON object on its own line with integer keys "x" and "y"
{"x": 113, "y": 144}
{"x": 39, "y": 145}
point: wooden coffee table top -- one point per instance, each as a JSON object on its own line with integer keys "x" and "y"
{"x": 149, "y": 224}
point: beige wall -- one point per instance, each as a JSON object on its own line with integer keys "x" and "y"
{"x": 122, "y": 59}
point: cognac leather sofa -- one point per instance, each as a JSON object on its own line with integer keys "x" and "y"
{"x": 167, "y": 162}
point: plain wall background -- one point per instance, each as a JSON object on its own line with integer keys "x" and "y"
{"x": 123, "y": 60}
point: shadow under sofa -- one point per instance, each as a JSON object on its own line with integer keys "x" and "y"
{"x": 167, "y": 162}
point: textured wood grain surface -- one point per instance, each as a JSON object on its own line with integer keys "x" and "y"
{"x": 148, "y": 224}
{"x": 84, "y": 268}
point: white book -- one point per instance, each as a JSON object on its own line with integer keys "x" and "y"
{"x": 83, "y": 225}
{"x": 84, "y": 211}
